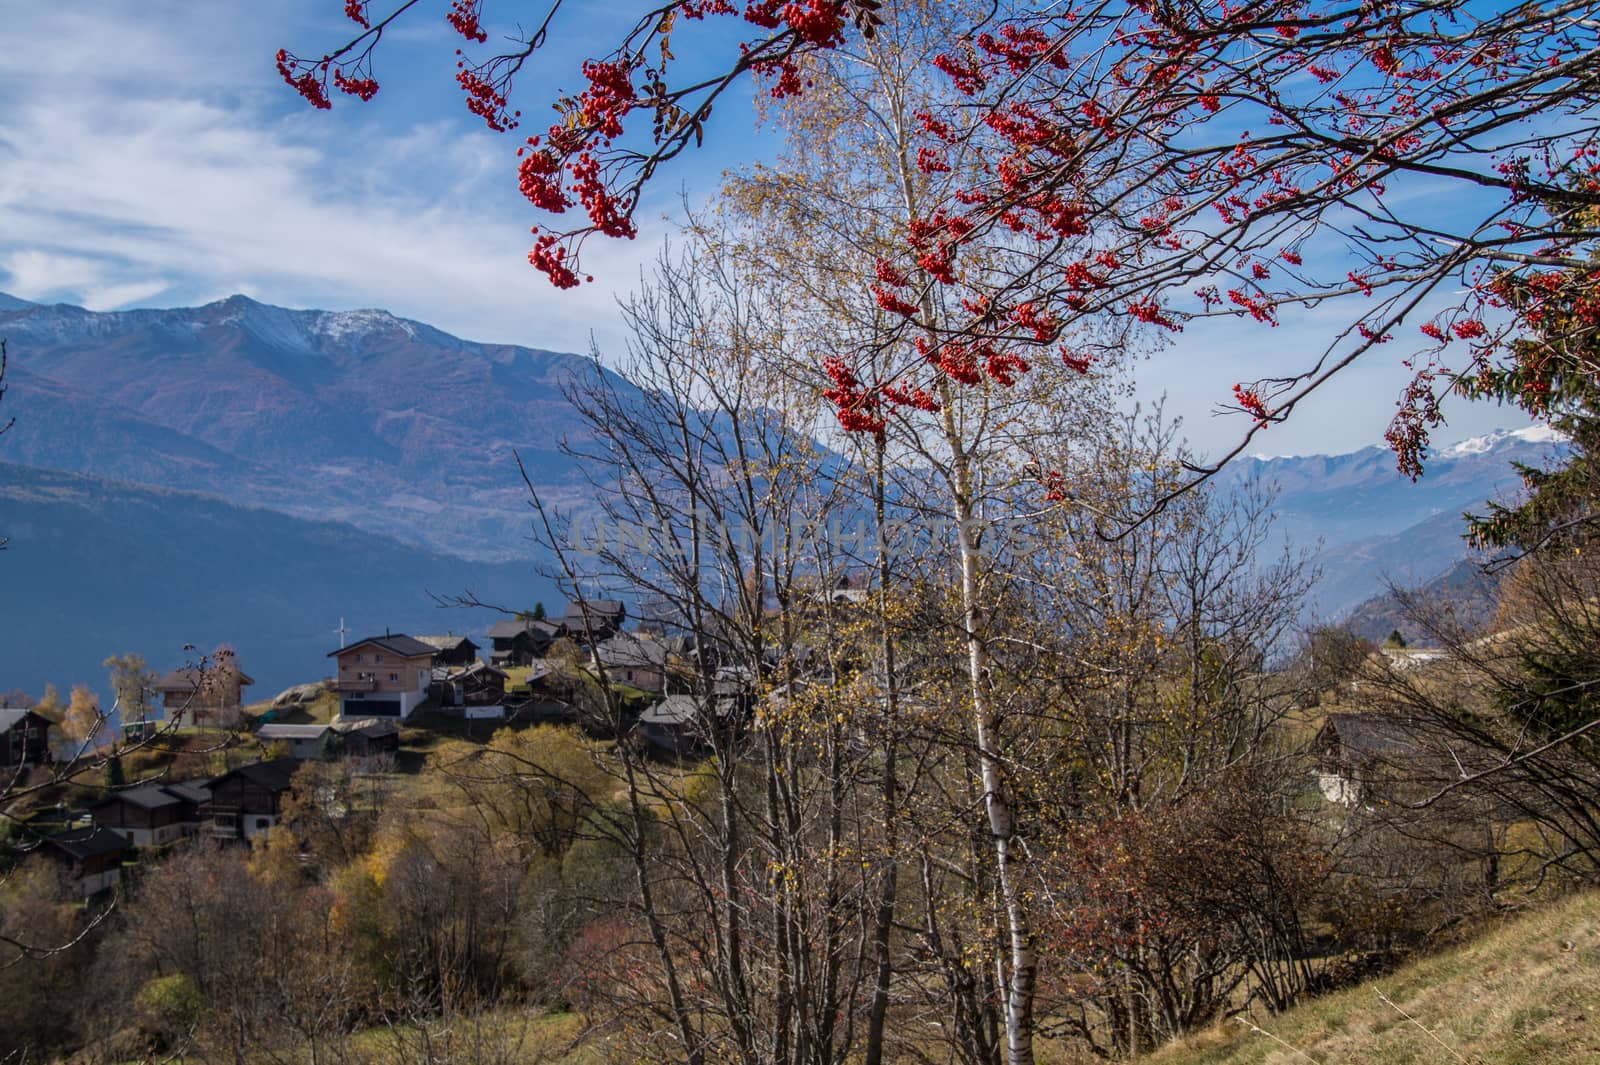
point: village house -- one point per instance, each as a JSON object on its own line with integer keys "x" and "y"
{"x": 153, "y": 815}
{"x": 678, "y": 726}
{"x": 451, "y": 650}
{"x": 361, "y": 740}
{"x": 24, "y": 737}
{"x": 209, "y": 696}
{"x": 246, "y": 802}
{"x": 90, "y": 858}
{"x": 300, "y": 742}
{"x": 637, "y": 661}
{"x": 478, "y": 687}
{"x": 1357, "y": 752}
{"x": 519, "y": 641}
{"x": 383, "y": 676}
{"x": 594, "y": 619}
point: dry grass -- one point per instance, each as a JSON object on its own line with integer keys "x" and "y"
{"x": 1526, "y": 993}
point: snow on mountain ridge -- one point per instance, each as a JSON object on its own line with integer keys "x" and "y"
{"x": 302, "y": 330}
{"x": 1478, "y": 445}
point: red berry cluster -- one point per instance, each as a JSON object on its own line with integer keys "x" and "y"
{"x": 463, "y": 16}
{"x": 303, "y": 78}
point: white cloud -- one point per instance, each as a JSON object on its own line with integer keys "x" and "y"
{"x": 142, "y": 169}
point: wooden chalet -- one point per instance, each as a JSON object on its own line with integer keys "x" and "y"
{"x": 90, "y": 858}
{"x": 594, "y": 620}
{"x": 300, "y": 742}
{"x": 24, "y": 737}
{"x": 153, "y": 815}
{"x": 362, "y": 739}
{"x": 477, "y": 685}
{"x": 451, "y": 650}
{"x": 518, "y": 642}
{"x": 209, "y": 696}
{"x": 678, "y": 724}
{"x": 1356, "y": 752}
{"x": 247, "y": 801}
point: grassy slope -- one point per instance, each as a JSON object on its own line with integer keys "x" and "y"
{"x": 1526, "y": 993}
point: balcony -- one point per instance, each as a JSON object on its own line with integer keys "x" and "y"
{"x": 355, "y": 684}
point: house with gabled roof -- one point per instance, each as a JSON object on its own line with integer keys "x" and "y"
{"x": 153, "y": 815}
{"x": 208, "y": 696}
{"x": 383, "y": 676}
{"x": 247, "y": 801}
{"x": 24, "y": 737}
{"x": 637, "y": 661}
{"x": 684, "y": 724}
{"x": 1355, "y": 752}
{"x": 594, "y": 619}
{"x": 91, "y": 858}
{"x": 518, "y": 641}
{"x": 451, "y": 650}
{"x": 363, "y": 740}
{"x": 300, "y": 742}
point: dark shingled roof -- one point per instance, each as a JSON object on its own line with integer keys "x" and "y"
{"x": 81, "y": 843}
{"x": 275, "y": 775}
{"x": 599, "y": 610}
{"x": 149, "y": 797}
{"x": 399, "y": 644}
{"x": 195, "y": 791}
{"x": 1375, "y": 735}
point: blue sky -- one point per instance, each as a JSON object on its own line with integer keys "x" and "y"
{"x": 150, "y": 156}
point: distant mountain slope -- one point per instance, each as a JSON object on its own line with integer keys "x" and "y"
{"x": 1368, "y": 525}
{"x": 1469, "y": 594}
{"x": 385, "y": 423}
{"x": 398, "y": 429}
{"x": 96, "y": 567}
{"x": 1343, "y": 498}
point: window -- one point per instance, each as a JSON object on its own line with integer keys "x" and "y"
{"x": 377, "y": 658}
{"x": 394, "y": 676}
{"x": 358, "y": 656}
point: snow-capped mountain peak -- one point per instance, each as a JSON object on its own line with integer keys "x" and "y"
{"x": 1479, "y": 445}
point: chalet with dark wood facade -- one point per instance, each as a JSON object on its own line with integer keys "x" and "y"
{"x": 362, "y": 739}
{"x": 1356, "y": 752}
{"x": 477, "y": 685}
{"x": 594, "y": 620}
{"x": 451, "y": 650}
{"x": 90, "y": 858}
{"x": 519, "y": 641}
{"x": 24, "y": 737}
{"x": 247, "y": 801}
{"x": 153, "y": 815}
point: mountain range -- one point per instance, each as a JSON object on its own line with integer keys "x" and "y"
{"x": 250, "y": 474}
